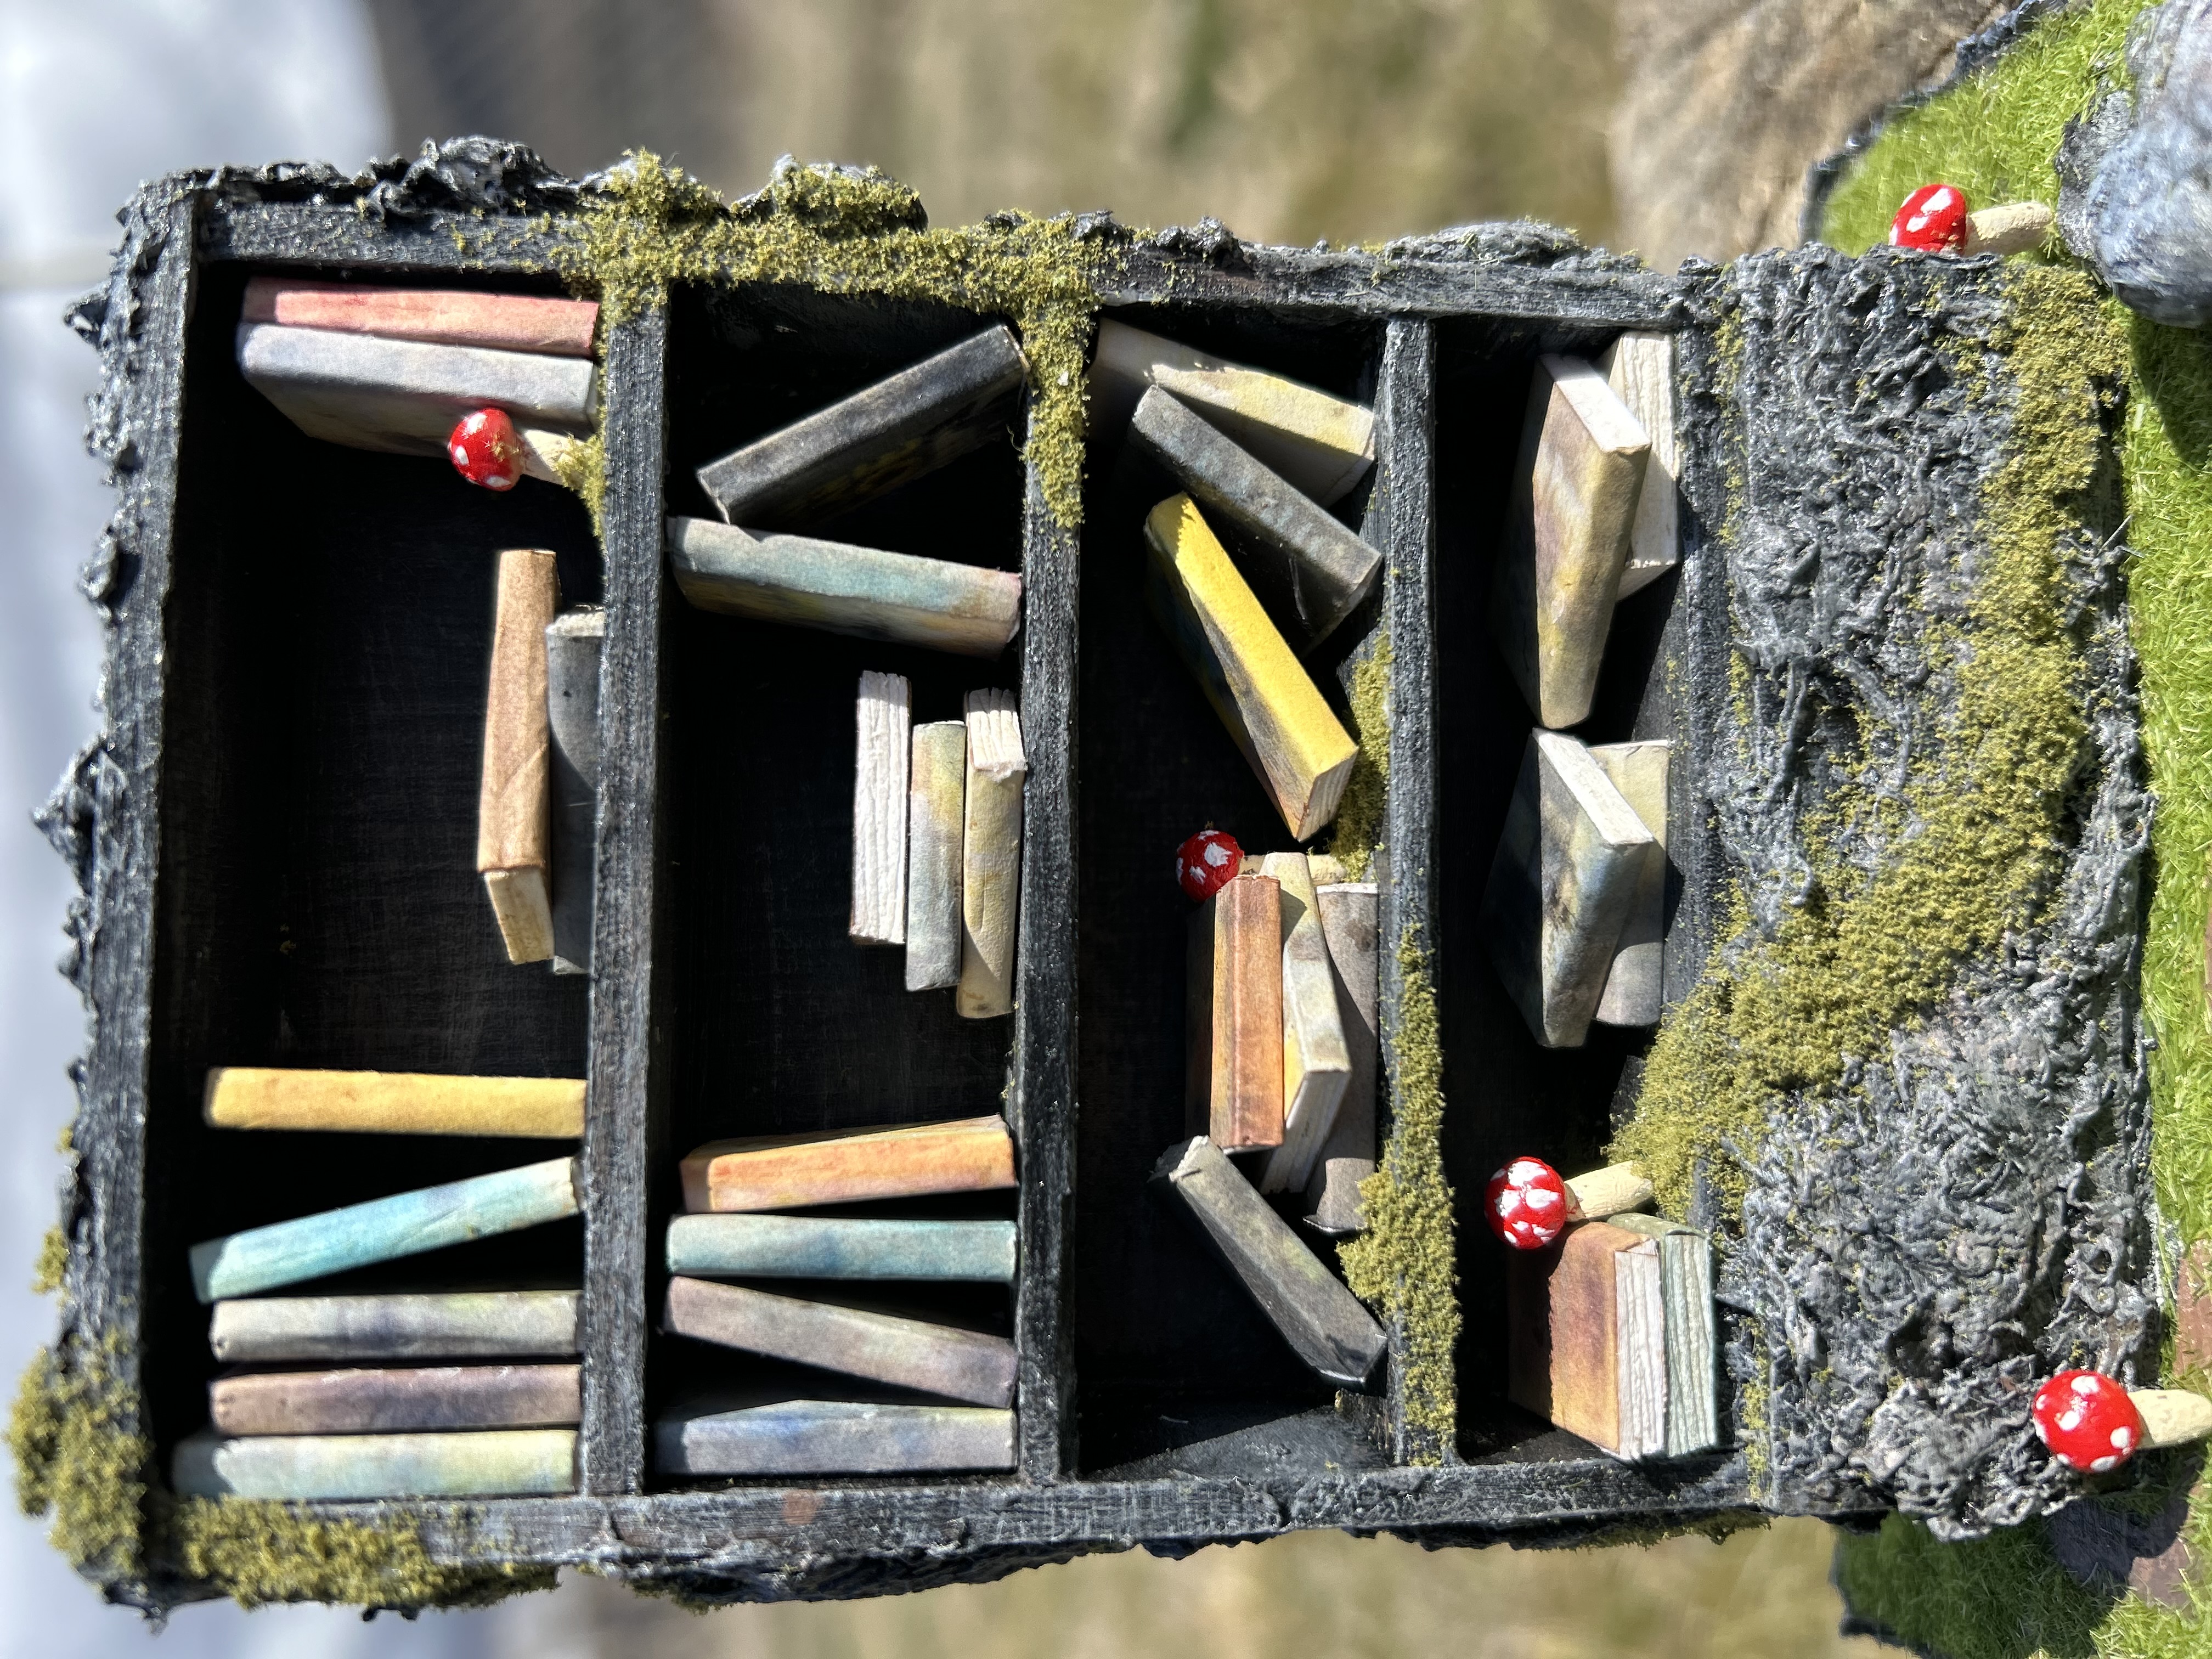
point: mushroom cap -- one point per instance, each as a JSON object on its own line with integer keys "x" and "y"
{"x": 2088, "y": 1421}
{"x": 486, "y": 450}
{"x": 1526, "y": 1204}
{"x": 1206, "y": 863}
{"x": 1933, "y": 219}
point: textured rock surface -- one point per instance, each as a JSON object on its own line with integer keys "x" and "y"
{"x": 1963, "y": 1208}
{"x": 2137, "y": 175}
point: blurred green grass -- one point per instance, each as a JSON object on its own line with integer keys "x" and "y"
{"x": 1758, "y": 1594}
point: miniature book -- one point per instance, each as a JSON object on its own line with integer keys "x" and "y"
{"x": 384, "y": 1229}
{"x": 393, "y": 1102}
{"x": 1316, "y": 570}
{"x": 1321, "y": 445}
{"x": 1566, "y": 538}
{"x": 1635, "y": 991}
{"x": 1322, "y": 1320}
{"x": 754, "y": 1246}
{"x": 1316, "y": 1057}
{"x": 1264, "y": 696}
{"x": 450, "y": 1325}
{"x": 1568, "y": 872}
{"x": 1346, "y": 1157}
{"x": 333, "y": 1467}
{"x": 991, "y": 856}
{"x": 883, "y": 435}
{"x": 515, "y": 810}
{"x": 402, "y": 396}
{"x": 966, "y": 609}
{"x": 1587, "y": 1338}
{"x": 936, "y": 798}
{"x": 884, "y": 719}
{"x": 438, "y": 316}
{"x": 906, "y": 1353}
{"x": 397, "y": 1400}
{"x": 845, "y": 1166}
{"x": 1640, "y": 369}
{"x": 834, "y": 1437}
{"x": 1233, "y": 1017}
{"x": 1686, "y": 1273}
{"x": 573, "y": 644}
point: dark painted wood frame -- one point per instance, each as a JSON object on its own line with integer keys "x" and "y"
{"x": 848, "y": 1537}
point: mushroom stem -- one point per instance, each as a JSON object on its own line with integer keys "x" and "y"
{"x": 2008, "y": 227}
{"x": 2172, "y": 1417}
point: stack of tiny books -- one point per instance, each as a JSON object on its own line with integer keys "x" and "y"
{"x": 1282, "y": 1058}
{"x": 1610, "y": 1326}
{"x": 502, "y": 384}
{"x": 910, "y": 1394}
{"x": 1260, "y": 458}
{"x": 380, "y": 1422}
{"x": 1576, "y": 906}
{"x": 937, "y": 840}
{"x": 834, "y": 460}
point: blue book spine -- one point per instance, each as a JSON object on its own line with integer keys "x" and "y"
{"x": 817, "y": 1247}
{"x": 834, "y": 1437}
{"x": 406, "y": 1224}
{"x": 302, "y": 1467}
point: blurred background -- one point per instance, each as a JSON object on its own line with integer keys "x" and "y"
{"x": 1673, "y": 127}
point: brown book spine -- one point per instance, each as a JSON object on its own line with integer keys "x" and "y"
{"x": 1563, "y": 1312}
{"x": 1247, "y": 1093}
{"x": 397, "y": 1400}
{"x": 515, "y": 810}
{"x": 781, "y": 1172}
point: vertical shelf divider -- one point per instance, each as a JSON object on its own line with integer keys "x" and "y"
{"x": 1042, "y": 1104}
{"x": 1405, "y": 409}
{"x": 626, "y": 1119}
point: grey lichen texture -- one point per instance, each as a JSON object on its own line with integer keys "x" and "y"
{"x": 2137, "y": 197}
{"x": 1926, "y": 781}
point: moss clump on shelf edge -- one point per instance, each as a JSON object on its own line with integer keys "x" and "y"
{"x": 855, "y": 231}
{"x": 1778, "y": 1016}
{"x": 1404, "y": 1263}
{"x": 1358, "y": 829}
{"x": 79, "y": 1461}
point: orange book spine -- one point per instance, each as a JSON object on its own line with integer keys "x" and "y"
{"x": 783, "y": 1172}
{"x": 1247, "y": 1112}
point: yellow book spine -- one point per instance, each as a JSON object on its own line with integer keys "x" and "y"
{"x": 394, "y": 1103}
{"x": 1263, "y": 694}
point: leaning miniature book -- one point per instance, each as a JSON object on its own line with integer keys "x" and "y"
{"x": 883, "y": 719}
{"x": 990, "y": 855}
{"x": 1288, "y": 733}
{"x": 1587, "y": 1338}
{"x": 1233, "y": 1014}
{"x": 1316, "y": 1056}
{"x": 1349, "y": 921}
{"x": 514, "y": 808}
{"x": 1685, "y": 1269}
{"x": 575, "y": 642}
{"x": 882, "y": 436}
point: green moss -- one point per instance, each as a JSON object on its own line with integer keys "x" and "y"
{"x": 52, "y": 1262}
{"x": 259, "y": 1552}
{"x": 1359, "y": 829}
{"x": 1404, "y": 1263}
{"x": 1985, "y": 800}
{"x": 858, "y": 232}
{"x": 1995, "y": 135}
{"x": 583, "y": 468}
{"x": 79, "y": 1460}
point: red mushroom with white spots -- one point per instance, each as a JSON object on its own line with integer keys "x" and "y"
{"x": 2088, "y": 1421}
{"x": 1933, "y": 219}
{"x": 1206, "y": 863}
{"x": 486, "y": 449}
{"x": 1527, "y": 1204}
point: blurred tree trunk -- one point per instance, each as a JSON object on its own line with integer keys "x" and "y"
{"x": 1726, "y": 103}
